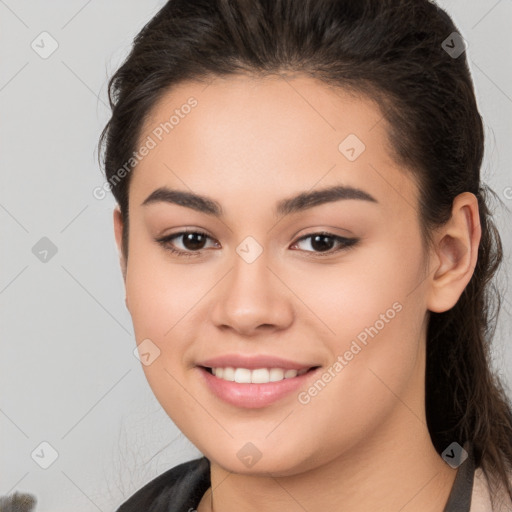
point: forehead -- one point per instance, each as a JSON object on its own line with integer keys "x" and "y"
{"x": 244, "y": 134}
{"x": 235, "y": 107}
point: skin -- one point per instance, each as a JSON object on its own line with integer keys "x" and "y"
{"x": 362, "y": 443}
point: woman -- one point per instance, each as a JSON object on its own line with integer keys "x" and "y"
{"x": 307, "y": 249}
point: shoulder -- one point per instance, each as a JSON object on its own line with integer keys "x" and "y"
{"x": 481, "y": 495}
{"x": 177, "y": 489}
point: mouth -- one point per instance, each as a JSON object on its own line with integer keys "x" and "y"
{"x": 256, "y": 388}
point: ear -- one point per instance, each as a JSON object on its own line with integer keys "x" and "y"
{"x": 118, "y": 232}
{"x": 455, "y": 254}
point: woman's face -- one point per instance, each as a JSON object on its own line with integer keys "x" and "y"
{"x": 257, "y": 282}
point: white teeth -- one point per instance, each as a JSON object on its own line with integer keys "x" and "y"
{"x": 257, "y": 376}
{"x": 276, "y": 374}
{"x": 242, "y": 375}
{"x": 228, "y": 374}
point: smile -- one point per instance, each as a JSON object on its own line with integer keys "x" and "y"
{"x": 255, "y": 388}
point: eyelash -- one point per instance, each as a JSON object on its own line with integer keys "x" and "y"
{"x": 346, "y": 243}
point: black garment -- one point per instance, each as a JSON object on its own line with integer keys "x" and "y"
{"x": 181, "y": 488}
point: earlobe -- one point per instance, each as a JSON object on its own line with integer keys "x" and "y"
{"x": 456, "y": 253}
{"x": 118, "y": 233}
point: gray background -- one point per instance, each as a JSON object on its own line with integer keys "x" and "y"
{"x": 68, "y": 376}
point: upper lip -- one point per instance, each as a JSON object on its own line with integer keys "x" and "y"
{"x": 253, "y": 362}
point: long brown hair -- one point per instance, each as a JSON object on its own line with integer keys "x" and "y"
{"x": 401, "y": 54}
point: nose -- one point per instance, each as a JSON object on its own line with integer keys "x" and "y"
{"x": 252, "y": 298}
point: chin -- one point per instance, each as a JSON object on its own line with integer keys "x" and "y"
{"x": 248, "y": 460}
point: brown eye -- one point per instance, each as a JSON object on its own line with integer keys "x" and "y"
{"x": 192, "y": 242}
{"x": 324, "y": 242}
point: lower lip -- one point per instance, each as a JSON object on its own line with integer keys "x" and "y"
{"x": 253, "y": 396}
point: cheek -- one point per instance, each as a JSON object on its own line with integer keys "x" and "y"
{"x": 160, "y": 293}
{"x": 161, "y": 296}
{"x": 351, "y": 295}
{"x": 166, "y": 302}
{"x": 375, "y": 309}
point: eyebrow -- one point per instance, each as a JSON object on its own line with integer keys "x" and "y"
{"x": 298, "y": 203}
